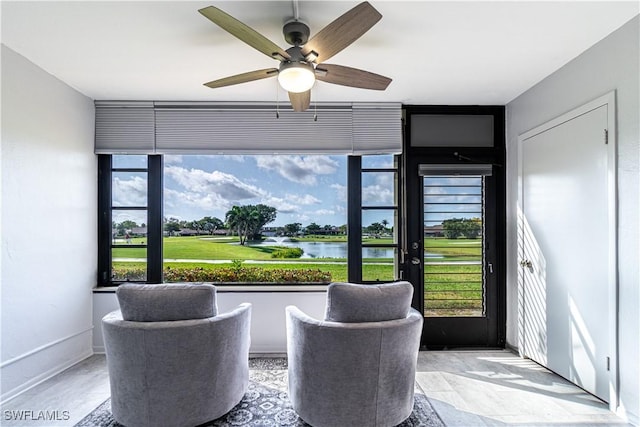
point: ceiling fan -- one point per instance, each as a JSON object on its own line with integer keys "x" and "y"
{"x": 303, "y": 63}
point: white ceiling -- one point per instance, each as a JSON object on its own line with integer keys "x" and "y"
{"x": 436, "y": 52}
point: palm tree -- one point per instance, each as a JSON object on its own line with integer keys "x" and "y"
{"x": 385, "y": 223}
{"x": 244, "y": 219}
{"x": 233, "y": 220}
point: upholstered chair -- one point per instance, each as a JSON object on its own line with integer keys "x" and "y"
{"x": 357, "y": 366}
{"x": 172, "y": 359}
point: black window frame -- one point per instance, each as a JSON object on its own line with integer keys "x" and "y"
{"x": 105, "y": 215}
{"x": 354, "y": 223}
{"x": 155, "y": 232}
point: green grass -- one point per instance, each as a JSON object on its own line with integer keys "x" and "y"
{"x": 197, "y": 247}
{"x": 453, "y": 290}
{"x": 454, "y": 249}
{"x": 449, "y": 289}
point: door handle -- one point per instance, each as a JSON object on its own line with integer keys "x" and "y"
{"x": 526, "y": 263}
{"x": 415, "y": 261}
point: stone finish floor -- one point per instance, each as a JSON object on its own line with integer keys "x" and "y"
{"x": 466, "y": 388}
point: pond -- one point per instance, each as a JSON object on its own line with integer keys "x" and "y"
{"x": 328, "y": 249}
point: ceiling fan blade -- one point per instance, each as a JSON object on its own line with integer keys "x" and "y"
{"x": 300, "y": 101}
{"x": 244, "y": 32}
{"x": 342, "y": 32}
{"x": 353, "y": 77}
{"x": 243, "y": 78}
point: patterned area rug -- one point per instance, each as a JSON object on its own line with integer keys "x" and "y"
{"x": 266, "y": 404}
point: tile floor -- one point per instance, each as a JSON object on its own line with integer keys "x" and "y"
{"x": 498, "y": 388}
{"x": 467, "y": 388}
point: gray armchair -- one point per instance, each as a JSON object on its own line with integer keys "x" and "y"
{"x": 172, "y": 359}
{"x": 357, "y": 367}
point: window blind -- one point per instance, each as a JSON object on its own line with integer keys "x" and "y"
{"x": 455, "y": 169}
{"x": 124, "y": 127}
{"x": 239, "y": 128}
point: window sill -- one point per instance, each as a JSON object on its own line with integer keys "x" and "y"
{"x": 230, "y": 287}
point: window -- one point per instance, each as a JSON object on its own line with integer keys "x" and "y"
{"x": 247, "y": 218}
{"x": 379, "y": 207}
{"x": 128, "y": 209}
{"x": 239, "y": 217}
{"x": 453, "y": 242}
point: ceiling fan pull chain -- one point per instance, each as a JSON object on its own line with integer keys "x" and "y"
{"x": 315, "y": 111}
{"x": 277, "y": 101}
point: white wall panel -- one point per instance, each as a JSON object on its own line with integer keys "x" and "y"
{"x": 48, "y": 224}
{"x": 612, "y": 64}
{"x": 268, "y": 331}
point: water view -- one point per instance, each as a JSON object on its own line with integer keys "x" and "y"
{"x": 325, "y": 249}
{"x": 331, "y": 249}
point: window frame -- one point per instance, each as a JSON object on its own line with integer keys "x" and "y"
{"x": 356, "y": 208}
{"x": 155, "y": 232}
{"x": 105, "y": 219}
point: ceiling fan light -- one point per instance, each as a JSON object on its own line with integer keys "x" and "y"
{"x": 296, "y": 77}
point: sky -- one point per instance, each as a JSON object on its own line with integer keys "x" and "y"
{"x": 303, "y": 189}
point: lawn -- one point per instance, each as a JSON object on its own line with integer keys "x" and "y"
{"x": 225, "y": 248}
{"x": 450, "y": 289}
{"x": 454, "y": 249}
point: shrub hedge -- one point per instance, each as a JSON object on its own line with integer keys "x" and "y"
{"x": 287, "y": 253}
{"x": 226, "y": 275}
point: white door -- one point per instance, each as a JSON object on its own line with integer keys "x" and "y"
{"x": 565, "y": 245}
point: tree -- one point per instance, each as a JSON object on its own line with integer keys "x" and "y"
{"x": 313, "y": 228}
{"x": 376, "y": 228}
{"x": 452, "y": 228}
{"x": 238, "y": 219}
{"x": 472, "y": 228}
{"x": 385, "y": 223}
{"x": 125, "y": 226}
{"x": 292, "y": 229}
{"x": 248, "y": 220}
{"x": 172, "y": 225}
{"x": 457, "y": 227}
{"x": 266, "y": 215}
{"x": 210, "y": 224}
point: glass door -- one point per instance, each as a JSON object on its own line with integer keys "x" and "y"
{"x": 453, "y": 218}
{"x": 452, "y": 253}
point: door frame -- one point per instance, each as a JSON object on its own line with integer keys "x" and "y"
{"x": 608, "y": 100}
{"x": 457, "y": 337}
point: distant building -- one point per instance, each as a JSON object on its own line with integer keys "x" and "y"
{"x": 192, "y": 232}
{"x": 434, "y": 230}
{"x": 138, "y": 231}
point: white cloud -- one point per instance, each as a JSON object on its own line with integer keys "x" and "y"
{"x": 377, "y": 195}
{"x": 306, "y": 199}
{"x": 303, "y": 219}
{"x": 234, "y": 157}
{"x": 281, "y": 205}
{"x": 139, "y": 217}
{"x": 341, "y": 192}
{"x": 300, "y": 169}
{"x": 130, "y": 192}
{"x": 215, "y": 185}
{"x": 209, "y": 202}
{"x": 322, "y": 212}
{"x": 172, "y": 159}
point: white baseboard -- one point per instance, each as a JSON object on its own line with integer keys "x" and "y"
{"x": 26, "y": 371}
